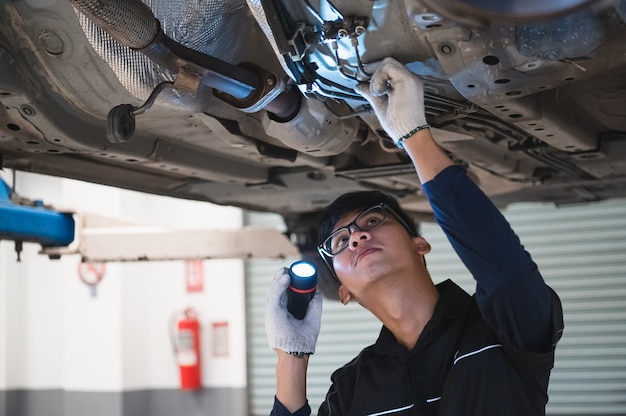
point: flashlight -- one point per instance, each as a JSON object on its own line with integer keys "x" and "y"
{"x": 302, "y": 283}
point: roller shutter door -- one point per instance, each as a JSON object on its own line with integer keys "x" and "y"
{"x": 581, "y": 251}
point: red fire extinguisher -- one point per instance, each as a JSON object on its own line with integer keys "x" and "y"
{"x": 186, "y": 345}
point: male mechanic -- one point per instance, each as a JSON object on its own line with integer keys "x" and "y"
{"x": 440, "y": 351}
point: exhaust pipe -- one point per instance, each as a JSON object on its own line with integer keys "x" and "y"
{"x": 249, "y": 89}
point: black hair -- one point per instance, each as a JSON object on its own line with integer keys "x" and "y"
{"x": 328, "y": 283}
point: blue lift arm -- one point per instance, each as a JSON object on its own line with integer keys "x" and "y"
{"x": 35, "y": 224}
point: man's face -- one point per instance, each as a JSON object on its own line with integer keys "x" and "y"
{"x": 374, "y": 245}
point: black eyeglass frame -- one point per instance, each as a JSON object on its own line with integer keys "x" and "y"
{"x": 384, "y": 207}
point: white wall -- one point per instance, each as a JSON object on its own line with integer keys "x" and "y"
{"x": 54, "y": 334}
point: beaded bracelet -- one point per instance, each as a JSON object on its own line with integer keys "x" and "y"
{"x": 400, "y": 142}
{"x": 299, "y": 354}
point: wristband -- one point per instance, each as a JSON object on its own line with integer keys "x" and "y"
{"x": 300, "y": 354}
{"x": 400, "y": 142}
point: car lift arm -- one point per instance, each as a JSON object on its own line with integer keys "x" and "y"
{"x": 98, "y": 238}
{"x": 104, "y": 239}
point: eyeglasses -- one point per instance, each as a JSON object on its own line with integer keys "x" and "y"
{"x": 369, "y": 219}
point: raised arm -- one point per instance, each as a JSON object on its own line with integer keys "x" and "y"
{"x": 510, "y": 290}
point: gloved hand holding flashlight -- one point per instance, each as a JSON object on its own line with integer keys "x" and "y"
{"x": 285, "y": 331}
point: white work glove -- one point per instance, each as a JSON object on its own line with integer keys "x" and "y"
{"x": 285, "y": 332}
{"x": 397, "y": 97}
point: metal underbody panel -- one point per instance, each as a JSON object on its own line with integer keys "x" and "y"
{"x": 535, "y": 108}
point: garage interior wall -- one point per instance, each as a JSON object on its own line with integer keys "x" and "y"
{"x": 66, "y": 352}
{"x": 581, "y": 251}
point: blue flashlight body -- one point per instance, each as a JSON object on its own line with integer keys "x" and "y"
{"x": 302, "y": 284}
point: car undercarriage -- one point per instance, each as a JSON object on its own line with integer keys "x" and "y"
{"x": 252, "y": 103}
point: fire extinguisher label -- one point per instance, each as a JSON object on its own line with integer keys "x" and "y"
{"x": 186, "y": 354}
